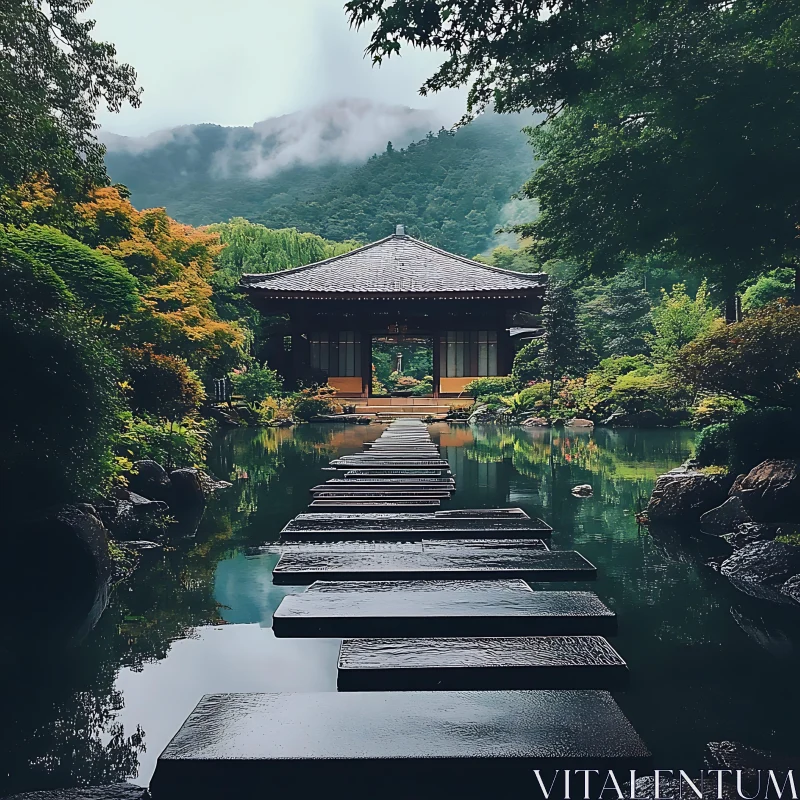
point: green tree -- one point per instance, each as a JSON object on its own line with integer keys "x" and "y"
{"x": 60, "y": 403}
{"x": 53, "y": 75}
{"x": 621, "y": 314}
{"x": 564, "y": 352}
{"x": 103, "y": 285}
{"x": 680, "y": 319}
{"x": 675, "y": 125}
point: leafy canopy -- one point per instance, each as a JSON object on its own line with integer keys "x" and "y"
{"x": 53, "y": 76}
{"x": 680, "y": 129}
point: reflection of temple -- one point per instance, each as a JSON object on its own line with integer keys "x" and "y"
{"x": 396, "y": 285}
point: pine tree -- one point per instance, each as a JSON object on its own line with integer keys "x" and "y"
{"x": 565, "y": 352}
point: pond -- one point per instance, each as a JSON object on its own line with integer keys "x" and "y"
{"x": 707, "y": 662}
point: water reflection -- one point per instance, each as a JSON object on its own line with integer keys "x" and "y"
{"x": 706, "y": 661}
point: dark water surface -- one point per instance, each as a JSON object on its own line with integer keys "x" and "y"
{"x": 707, "y": 662}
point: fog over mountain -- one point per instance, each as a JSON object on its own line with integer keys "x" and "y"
{"x": 342, "y": 132}
{"x": 328, "y": 170}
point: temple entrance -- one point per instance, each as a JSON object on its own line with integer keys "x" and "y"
{"x": 402, "y": 365}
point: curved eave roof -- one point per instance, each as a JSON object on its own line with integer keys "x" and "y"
{"x": 397, "y": 267}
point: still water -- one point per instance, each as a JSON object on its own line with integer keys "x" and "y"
{"x": 707, "y": 662}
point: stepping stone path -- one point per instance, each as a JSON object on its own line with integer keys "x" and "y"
{"x": 455, "y": 676}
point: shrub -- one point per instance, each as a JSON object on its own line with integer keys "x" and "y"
{"x": 273, "y": 409}
{"x": 181, "y": 444}
{"x": 312, "y": 402}
{"x": 763, "y": 433}
{"x": 425, "y": 386}
{"x": 100, "y": 282}
{"x": 255, "y": 383}
{"x": 716, "y": 408}
{"x": 160, "y": 385}
{"x": 713, "y": 446}
{"x": 526, "y": 363}
{"x": 518, "y": 403}
{"x": 60, "y": 400}
{"x": 538, "y": 393}
{"x": 500, "y": 384}
{"x": 656, "y": 392}
{"x": 757, "y": 359}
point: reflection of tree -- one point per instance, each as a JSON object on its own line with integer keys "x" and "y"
{"x": 60, "y": 724}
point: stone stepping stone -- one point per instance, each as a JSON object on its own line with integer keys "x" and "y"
{"x": 373, "y": 504}
{"x": 302, "y": 568}
{"x": 483, "y": 544}
{"x": 399, "y": 473}
{"x": 394, "y": 744}
{"x": 413, "y": 526}
{"x": 411, "y": 490}
{"x": 439, "y": 608}
{"x": 533, "y": 662}
{"x": 448, "y": 483}
{"x": 418, "y": 546}
{"x": 401, "y": 464}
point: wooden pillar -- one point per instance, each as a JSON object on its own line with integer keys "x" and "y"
{"x": 437, "y": 367}
{"x": 366, "y": 363}
{"x": 505, "y": 351}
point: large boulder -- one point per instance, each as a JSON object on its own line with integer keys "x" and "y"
{"x": 149, "y": 479}
{"x": 191, "y": 487}
{"x": 725, "y": 518}
{"x": 768, "y": 564}
{"x": 57, "y": 568}
{"x": 791, "y": 588}
{"x": 684, "y": 495}
{"x": 577, "y": 422}
{"x": 771, "y": 491}
{"x": 535, "y": 422}
{"x": 748, "y": 532}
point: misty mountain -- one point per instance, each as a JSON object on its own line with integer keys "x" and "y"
{"x": 330, "y": 171}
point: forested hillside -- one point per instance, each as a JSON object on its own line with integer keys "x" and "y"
{"x": 451, "y": 189}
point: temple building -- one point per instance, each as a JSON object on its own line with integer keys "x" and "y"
{"x": 398, "y": 290}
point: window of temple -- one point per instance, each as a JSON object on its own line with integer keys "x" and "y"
{"x": 337, "y": 353}
{"x": 468, "y": 354}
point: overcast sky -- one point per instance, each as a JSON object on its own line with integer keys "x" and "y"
{"x": 234, "y": 62}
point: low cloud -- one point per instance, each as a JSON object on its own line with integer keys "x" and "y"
{"x": 345, "y": 131}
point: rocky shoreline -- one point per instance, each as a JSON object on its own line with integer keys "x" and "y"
{"x": 62, "y": 562}
{"x": 756, "y": 513}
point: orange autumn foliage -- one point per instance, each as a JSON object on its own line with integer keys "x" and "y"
{"x": 173, "y": 262}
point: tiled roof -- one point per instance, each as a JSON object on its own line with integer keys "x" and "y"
{"x": 397, "y": 265}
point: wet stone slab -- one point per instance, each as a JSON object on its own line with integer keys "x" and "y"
{"x": 415, "y": 546}
{"x": 376, "y": 504}
{"x": 395, "y": 464}
{"x": 336, "y": 492}
{"x": 439, "y": 608}
{"x": 535, "y": 662}
{"x": 399, "y": 526}
{"x": 390, "y": 744}
{"x": 305, "y": 567}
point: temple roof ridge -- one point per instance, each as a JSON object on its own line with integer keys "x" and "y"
{"x": 397, "y": 264}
